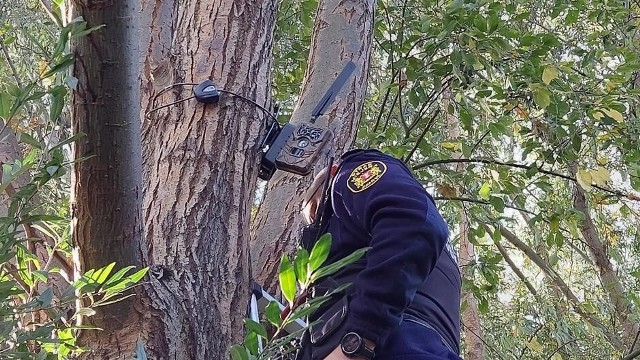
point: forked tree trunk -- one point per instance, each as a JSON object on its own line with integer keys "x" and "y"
{"x": 200, "y": 167}
{"x": 107, "y": 194}
{"x": 343, "y": 31}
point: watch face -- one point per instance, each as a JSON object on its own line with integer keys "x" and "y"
{"x": 351, "y": 343}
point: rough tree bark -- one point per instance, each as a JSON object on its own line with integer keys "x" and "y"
{"x": 343, "y": 31}
{"x": 200, "y": 165}
{"x": 106, "y": 195}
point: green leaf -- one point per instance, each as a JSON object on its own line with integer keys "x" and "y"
{"x": 138, "y": 275}
{"x": 497, "y": 203}
{"x": 287, "y": 278}
{"x": 101, "y": 275}
{"x": 332, "y": 268}
{"x": 301, "y": 263}
{"x": 117, "y": 276}
{"x": 66, "y": 61}
{"x": 40, "y": 275}
{"x": 251, "y": 343}
{"x": 30, "y": 140}
{"x": 614, "y": 114}
{"x": 308, "y": 310}
{"x": 84, "y": 312}
{"x": 320, "y": 252}
{"x": 541, "y": 96}
{"x": 79, "y": 33}
{"x": 46, "y": 297}
{"x": 41, "y": 217}
{"x": 485, "y": 191}
{"x": 57, "y": 102}
{"x": 549, "y": 74}
{"x": 572, "y": 17}
{"x": 256, "y": 327}
{"x": 5, "y": 105}
{"x": 68, "y": 141}
{"x": 272, "y": 313}
{"x": 239, "y": 352}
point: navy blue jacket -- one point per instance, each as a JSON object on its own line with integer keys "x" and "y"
{"x": 410, "y": 269}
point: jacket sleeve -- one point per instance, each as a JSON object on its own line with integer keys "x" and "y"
{"x": 407, "y": 237}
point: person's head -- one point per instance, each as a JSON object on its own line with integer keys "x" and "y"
{"x": 313, "y": 195}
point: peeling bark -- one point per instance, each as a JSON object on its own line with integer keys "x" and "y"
{"x": 343, "y": 31}
{"x": 200, "y": 165}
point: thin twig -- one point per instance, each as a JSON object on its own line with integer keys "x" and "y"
{"x": 10, "y": 62}
{"x": 427, "y": 127}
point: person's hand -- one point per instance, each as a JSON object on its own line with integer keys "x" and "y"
{"x": 337, "y": 354}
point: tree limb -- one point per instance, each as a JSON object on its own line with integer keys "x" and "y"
{"x": 564, "y": 288}
{"x": 632, "y": 355}
{"x": 482, "y": 202}
{"x": 519, "y": 166}
{"x": 610, "y": 281}
{"x": 514, "y": 267}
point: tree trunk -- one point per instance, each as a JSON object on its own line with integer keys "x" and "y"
{"x": 343, "y": 31}
{"x": 106, "y": 195}
{"x": 470, "y": 317}
{"x": 608, "y": 277}
{"x": 200, "y": 168}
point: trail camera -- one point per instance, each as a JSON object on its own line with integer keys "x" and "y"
{"x": 295, "y": 147}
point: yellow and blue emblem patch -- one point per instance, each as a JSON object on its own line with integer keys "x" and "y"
{"x": 365, "y": 175}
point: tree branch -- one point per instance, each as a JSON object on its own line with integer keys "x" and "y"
{"x": 47, "y": 8}
{"x": 632, "y": 355}
{"x": 10, "y": 62}
{"x": 422, "y": 135}
{"x": 514, "y": 267}
{"x": 471, "y": 200}
{"x": 515, "y": 165}
{"x": 610, "y": 281}
{"x": 566, "y": 290}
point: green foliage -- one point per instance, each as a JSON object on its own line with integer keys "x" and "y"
{"x": 40, "y": 303}
{"x": 538, "y": 99}
{"x": 294, "y": 26}
{"x": 308, "y": 269}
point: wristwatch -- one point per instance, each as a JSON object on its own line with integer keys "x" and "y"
{"x": 353, "y": 345}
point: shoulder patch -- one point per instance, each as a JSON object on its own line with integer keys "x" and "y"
{"x": 365, "y": 175}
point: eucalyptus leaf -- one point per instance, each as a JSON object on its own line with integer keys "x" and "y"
{"x": 256, "y": 327}
{"x": 287, "y": 278}
{"x": 319, "y": 252}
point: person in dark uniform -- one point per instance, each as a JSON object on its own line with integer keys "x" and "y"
{"x": 404, "y": 298}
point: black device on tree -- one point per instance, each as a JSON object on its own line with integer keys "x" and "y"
{"x": 293, "y": 147}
